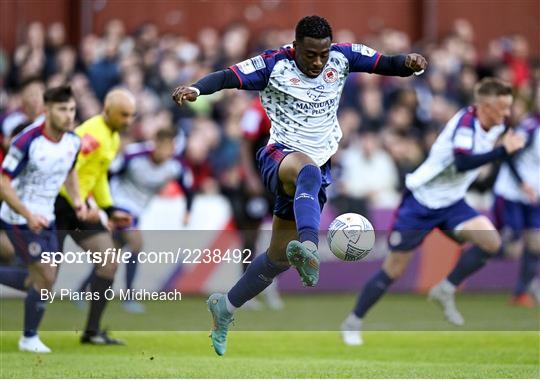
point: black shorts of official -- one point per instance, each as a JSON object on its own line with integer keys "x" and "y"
{"x": 67, "y": 223}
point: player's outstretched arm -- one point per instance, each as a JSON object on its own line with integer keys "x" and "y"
{"x": 511, "y": 144}
{"x": 401, "y": 65}
{"x": 207, "y": 85}
{"x": 415, "y": 62}
{"x": 527, "y": 189}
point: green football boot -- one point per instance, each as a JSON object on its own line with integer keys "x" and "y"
{"x": 222, "y": 319}
{"x": 305, "y": 261}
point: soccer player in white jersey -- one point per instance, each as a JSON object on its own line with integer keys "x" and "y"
{"x": 138, "y": 173}
{"x": 517, "y": 207}
{"x": 300, "y": 87}
{"x": 435, "y": 198}
{"x": 40, "y": 159}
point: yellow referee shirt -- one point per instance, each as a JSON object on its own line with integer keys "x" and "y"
{"x": 99, "y": 146}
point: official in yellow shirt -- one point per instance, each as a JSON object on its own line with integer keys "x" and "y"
{"x": 99, "y": 146}
{"x": 100, "y": 141}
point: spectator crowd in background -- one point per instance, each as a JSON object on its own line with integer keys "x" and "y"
{"x": 389, "y": 123}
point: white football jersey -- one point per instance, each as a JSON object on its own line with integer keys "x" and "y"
{"x": 136, "y": 178}
{"x": 437, "y": 183}
{"x": 38, "y": 166}
{"x": 303, "y": 110}
{"x": 526, "y": 162}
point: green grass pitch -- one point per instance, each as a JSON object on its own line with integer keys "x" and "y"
{"x": 439, "y": 353}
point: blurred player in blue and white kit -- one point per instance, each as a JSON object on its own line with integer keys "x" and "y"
{"x": 137, "y": 175}
{"x": 434, "y": 198}
{"x": 517, "y": 206}
{"x": 40, "y": 159}
{"x": 300, "y": 88}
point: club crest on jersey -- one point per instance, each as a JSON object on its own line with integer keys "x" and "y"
{"x": 330, "y": 75}
{"x": 88, "y": 144}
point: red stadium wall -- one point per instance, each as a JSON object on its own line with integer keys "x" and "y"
{"x": 418, "y": 18}
{"x": 16, "y": 15}
{"x": 493, "y": 18}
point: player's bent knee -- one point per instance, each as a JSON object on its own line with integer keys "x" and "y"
{"x": 513, "y": 249}
{"x": 532, "y": 241}
{"x": 45, "y": 281}
{"x": 491, "y": 243}
{"x": 481, "y": 232}
{"x": 395, "y": 264}
{"x": 135, "y": 249}
{"x": 290, "y": 168}
{"x": 108, "y": 271}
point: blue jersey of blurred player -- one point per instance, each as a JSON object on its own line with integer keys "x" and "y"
{"x": 517, "y": 207}
{"x": 435, "y": 199}
{"x": 300, "y": 87}
{"x": 40, "y": 159}
{"x": 139, "y": 172}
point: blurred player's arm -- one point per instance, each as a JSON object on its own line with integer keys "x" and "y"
{"x": 186, "y": 183}
{"x": 7, "y": 194}
{"x": 207, "y": 85}
{"x": 525, "y": 187}
{"x": 103, "y": 198}
{"x": 512, "y": 166}
{"x": 465, "y": 160}
{"x": 118, "y": 165}
{"x": 72, "y": 188}
{"x": 14, "y": 162}
{"x": 253, "y": 181}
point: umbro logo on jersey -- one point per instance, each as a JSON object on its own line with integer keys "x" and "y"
{"x": 295, "y": 81}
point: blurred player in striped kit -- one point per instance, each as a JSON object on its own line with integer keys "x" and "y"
{"x": 434, "y": 198}
{"x": 40, "y": 159}
{"x": 138, "y": 174}
{"x": 517, "y": 207}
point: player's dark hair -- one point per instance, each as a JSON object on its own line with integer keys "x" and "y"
{"x": 314, "y": 27}
{"x": 58, "y": 94}
{"x": 492, "y": 87}
{"x": 165, "y": 134}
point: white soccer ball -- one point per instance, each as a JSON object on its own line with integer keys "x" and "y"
{"x": 350, "y": 237}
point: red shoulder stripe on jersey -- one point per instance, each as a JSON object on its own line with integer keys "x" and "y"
{"x": 237, "y": 75}
{"x": 376, "y": 62}
{"x": 27, "y": 136}
{"x": 6, "y": 173}
{"x": 467, "y": 120}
